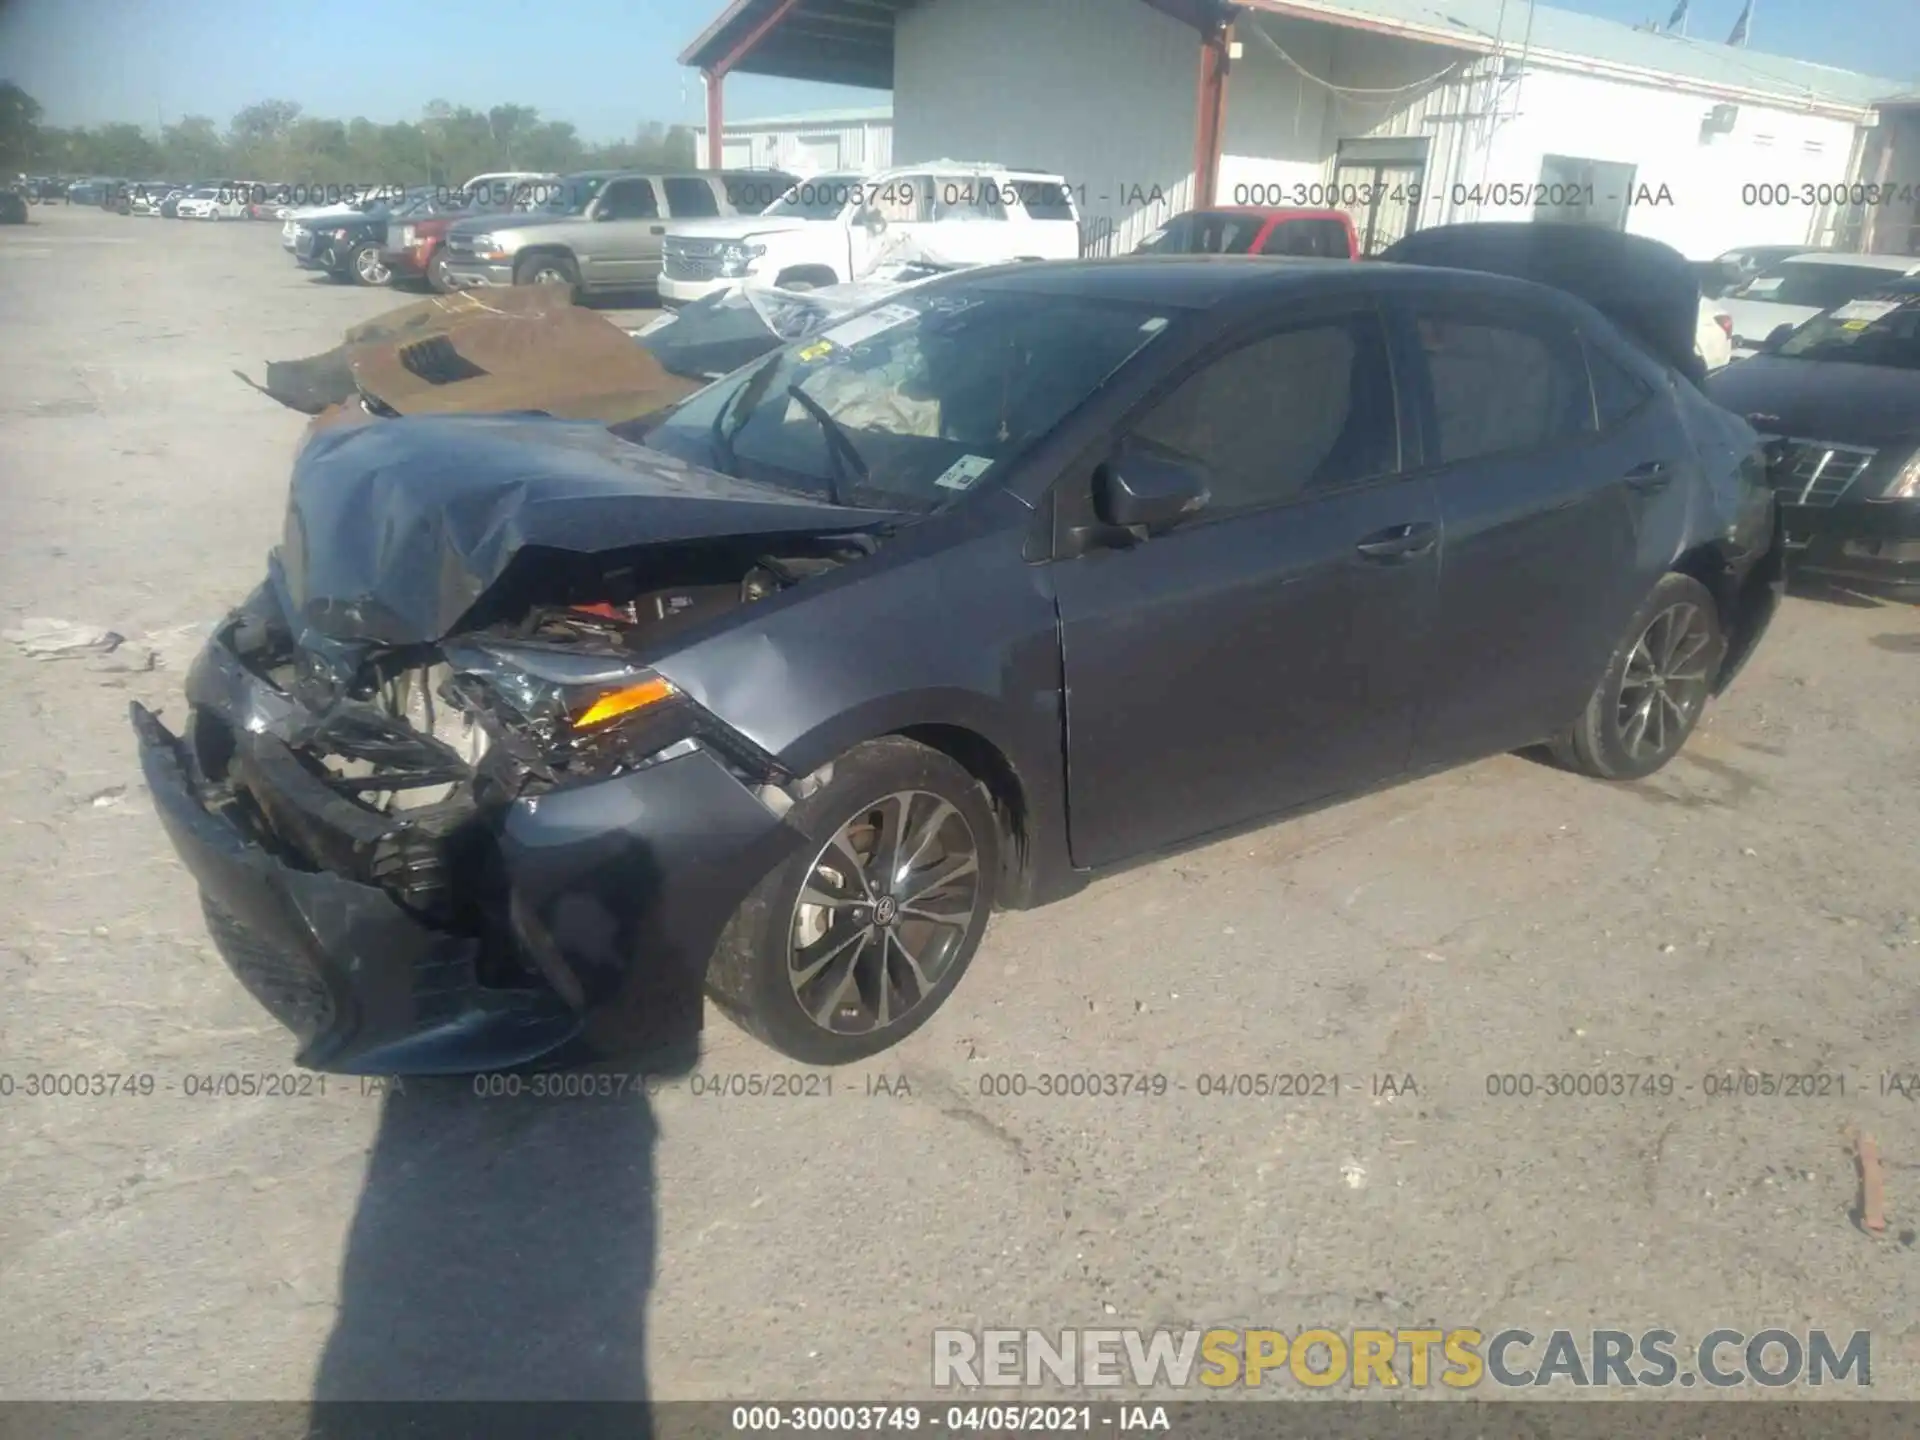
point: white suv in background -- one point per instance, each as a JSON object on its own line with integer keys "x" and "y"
{"x": 839, "y": 228}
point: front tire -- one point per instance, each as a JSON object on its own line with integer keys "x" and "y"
{"x": 1655, "y": 687}
{"x": 437, "y": 276}
{"x": 366, "y": 266}
{"x": 548, "y": 270}
{"x": 852, "y": 945}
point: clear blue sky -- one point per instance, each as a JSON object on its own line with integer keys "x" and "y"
{"x": 606, "y": 65}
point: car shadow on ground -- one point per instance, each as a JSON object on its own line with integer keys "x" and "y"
{"x": 503, "y": 1247}
{"x": 1806, "y": 588}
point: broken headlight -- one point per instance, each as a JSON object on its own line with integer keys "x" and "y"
{"x": 560, "y": 710}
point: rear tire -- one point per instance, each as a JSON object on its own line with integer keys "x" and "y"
{"x": 437, "y": 276}
{"x": 1655, "y": 687}
{"x": 888, "y": 932}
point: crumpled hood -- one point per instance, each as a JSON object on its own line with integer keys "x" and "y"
{"x": 395, "y": 530}
{"x": 739, "y": 227}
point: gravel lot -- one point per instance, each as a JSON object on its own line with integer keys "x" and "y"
{"x": 1756, "y": 907}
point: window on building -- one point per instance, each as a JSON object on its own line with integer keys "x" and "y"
{"x": 1305, "y": 409}
{"x": 1502, "y": 389}
{"x": 690, "y": 198}
{"x": 1576, "y": 191}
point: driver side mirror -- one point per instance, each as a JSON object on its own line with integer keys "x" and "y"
{"x": 1777, "y": 337}
{"x": 1149, "y": 489}
{"x": 870, "y": 219}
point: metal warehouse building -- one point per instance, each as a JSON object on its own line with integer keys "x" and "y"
{"x": 808, "y": 144}
{"x": 1412, "y": 113}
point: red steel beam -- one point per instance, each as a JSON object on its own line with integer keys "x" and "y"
{"x": 716, "y": 112}
{"x": 753, "y": 37}
{"x": 1209, "y": 129}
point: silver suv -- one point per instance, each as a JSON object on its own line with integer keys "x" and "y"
{"x": 600, "y": 229}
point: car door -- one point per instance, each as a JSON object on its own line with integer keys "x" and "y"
{"x": 623, "y": 252}
{"x": 1542, "y": 515}
{"x": 1261, "y": 655}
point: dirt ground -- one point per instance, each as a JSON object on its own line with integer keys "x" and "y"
{"x": 1756, "y": 908}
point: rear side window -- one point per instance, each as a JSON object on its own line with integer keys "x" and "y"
{"x": 689, "y": 198}
{"x": 1617, "y": 391}
{"x": 1218, "y": 234}
{"x": 965, "y": 197}
{"x": 1503, "y": 388}
{"x": 629, "y": 200}
{"x": 1324, "y": 238}
{"x": 1044, "y": 199}
{"x": 1304, "y": 410}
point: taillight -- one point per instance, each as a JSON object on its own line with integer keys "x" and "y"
{"x": 1725, "y": 322}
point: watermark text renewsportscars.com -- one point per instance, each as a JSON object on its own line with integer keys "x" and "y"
{"x": 1359, "y": 1359}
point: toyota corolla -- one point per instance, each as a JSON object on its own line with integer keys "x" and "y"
{"x": 775, "y": 697}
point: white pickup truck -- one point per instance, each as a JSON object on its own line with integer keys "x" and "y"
{"x": 836, "y": 229}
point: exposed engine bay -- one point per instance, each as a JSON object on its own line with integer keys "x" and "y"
{"x": 377, "y": 762}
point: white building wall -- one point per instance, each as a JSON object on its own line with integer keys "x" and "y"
{"x": 1102, "y": 92}
{"x": 860, "y": 145}
{"x": 1657, "y": 130}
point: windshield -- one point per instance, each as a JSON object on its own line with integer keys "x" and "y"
{"x": 1882, "y": 329}
{"x": 908, "y": 405}
{"x": 572, "y": 195}
{"x": 821, "y": 198}
{"x": 1810, "y": 283}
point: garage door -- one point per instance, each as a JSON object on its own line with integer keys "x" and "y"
{"x": 819, "y": 152}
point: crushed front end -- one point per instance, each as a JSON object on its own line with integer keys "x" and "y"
{"x": 512, "y": 844}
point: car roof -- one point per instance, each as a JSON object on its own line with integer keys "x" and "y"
{"x": 1200, "y": 282}
{"x": 1896, "y": 264}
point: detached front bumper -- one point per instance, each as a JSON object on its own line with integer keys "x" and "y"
{"x": 1872, "y": 545}
{"x": 602, "y": 901}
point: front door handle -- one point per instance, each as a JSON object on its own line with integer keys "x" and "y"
{"x": 1400, "y": 542}
{"x": 658, "y": 229}
{"x": 1654, "y": 475}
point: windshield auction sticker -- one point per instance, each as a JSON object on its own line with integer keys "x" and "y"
{"x": 1866, "y": 311}
{"x": 864, "y": 327}
{"x": 963, "y": 472}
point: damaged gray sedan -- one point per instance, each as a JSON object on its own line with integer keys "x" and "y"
{"x": 541, "y": 731}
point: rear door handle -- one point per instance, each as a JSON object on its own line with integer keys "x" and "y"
{"x": 1400, "y": 542}
{"x": 1654, "y": 475}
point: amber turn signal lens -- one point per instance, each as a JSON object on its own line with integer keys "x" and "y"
{"x": 616, "y": 703}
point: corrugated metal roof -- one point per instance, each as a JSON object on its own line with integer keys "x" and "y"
{"x": 1492, "y": 24}
{"x": 855, "y": 115}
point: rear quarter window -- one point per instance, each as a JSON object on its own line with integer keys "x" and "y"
{"x": 1044, "y": 199}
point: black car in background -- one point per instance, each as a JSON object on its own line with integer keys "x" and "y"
{"x": 348, "y": 248}
{"x": 13, "y": 206}
{"x": 1841, "y": 394}
{"x": 536, "y": 728}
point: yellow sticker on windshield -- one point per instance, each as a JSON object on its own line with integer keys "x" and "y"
{"x": 1856, "y": 325}
{"x": 816, "y": 350}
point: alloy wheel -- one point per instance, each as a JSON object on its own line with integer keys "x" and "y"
{"x": 885, "y": 911}
{"x": 547, "y": 275}
{"x": 1666, "y": 680}
{"x": 367, "y": 264}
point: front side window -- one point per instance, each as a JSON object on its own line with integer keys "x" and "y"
{"x": 690, "y": 198}
{"x": 1502, "y": 388}
{"x": 912, "y": 403}
{"x": 1305, "y": 410}
{"x": 1326, "y": 239}
{"x": 629, "y": 200}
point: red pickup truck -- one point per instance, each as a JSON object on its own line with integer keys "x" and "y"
{"x": 1249, "y": 230}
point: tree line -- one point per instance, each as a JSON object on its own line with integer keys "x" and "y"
{"x": 276, "y": 141}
